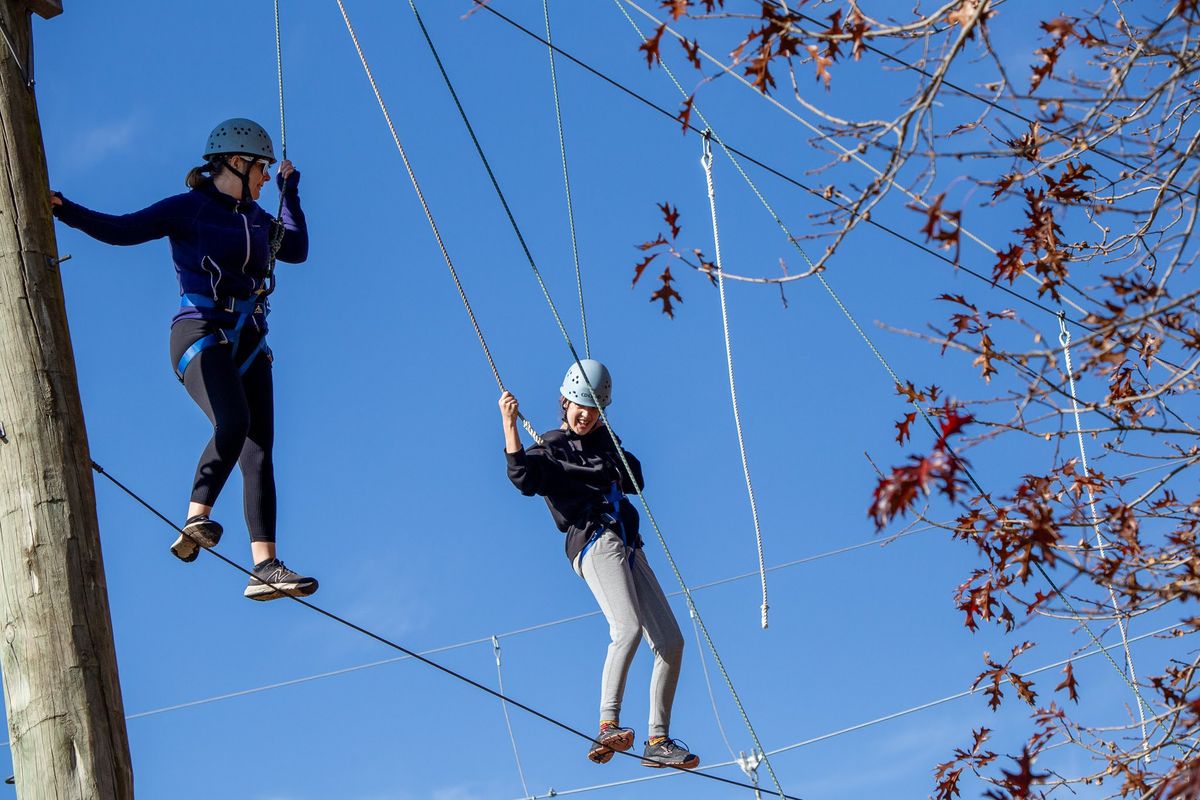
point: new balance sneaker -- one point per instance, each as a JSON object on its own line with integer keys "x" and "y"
{"x": 273, "y": 579}
{"x": 612, "y": 738}
{"x": 199, "y": 531}
{"x": 669, "y": 753}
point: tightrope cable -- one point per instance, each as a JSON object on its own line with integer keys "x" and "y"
{"x": 382, "y": 639}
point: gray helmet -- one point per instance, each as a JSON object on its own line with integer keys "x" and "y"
{"x": 575, "y": 388}
{"x": 239, "y": 136}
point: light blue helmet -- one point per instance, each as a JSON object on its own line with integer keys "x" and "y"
{"x": 575, "y": 388}
{"x": 239, "y": 136}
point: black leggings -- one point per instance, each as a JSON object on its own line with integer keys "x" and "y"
{"x": 241, "y": 409}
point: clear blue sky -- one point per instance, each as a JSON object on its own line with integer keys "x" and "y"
{"x": 389, "y": 450}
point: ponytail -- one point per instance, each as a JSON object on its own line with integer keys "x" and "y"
{"x": 205, "y": 172}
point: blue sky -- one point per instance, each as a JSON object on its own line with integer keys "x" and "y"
{"x": 389, "y": 450}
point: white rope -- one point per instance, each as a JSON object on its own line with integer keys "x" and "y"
{"x": 508, "y": 722}
{"x": 1064, "y": 338}
{"x": 706, "y": 162}
{"x": 437, "y": 234}
{"x": 562, "y": 149}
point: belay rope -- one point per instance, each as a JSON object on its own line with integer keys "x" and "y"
{"x": 706, "y": 159}
{"x": 1064, "y": 338}
{"x": 277, "y": 226}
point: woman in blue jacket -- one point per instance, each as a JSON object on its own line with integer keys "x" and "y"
{"x": 224, "y": 246}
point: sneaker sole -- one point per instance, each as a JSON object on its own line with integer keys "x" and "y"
{"x": 187, "y": 545}
{"x": 617, "y": 742}
{"x": 263, "y": 592}
{"x": 691, "y": 763}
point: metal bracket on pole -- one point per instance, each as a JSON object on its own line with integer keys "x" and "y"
{"x": 3, "y": 434}
{"x": 26, "y": 65}
{"x": 54, "y": 262}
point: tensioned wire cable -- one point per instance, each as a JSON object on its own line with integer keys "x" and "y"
{"x": 383, "y": 640}
{"x": 861, "y": 725}
{"x": 880, "y": 543}
{"x": 866, "y": 219}
{"x": 562, "y": 149}
{"x": 706, "y": 162}
{"x": 562, "y": 329}
{"x": 875, "y": 350}
{"x": 591, "y": 389}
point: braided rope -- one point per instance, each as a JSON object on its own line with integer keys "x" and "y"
{"x": 437, "y": 234}
{"x": 1064, "y": 338}
{"x": 706, "y": 162}
{"x": 562, "y": 149}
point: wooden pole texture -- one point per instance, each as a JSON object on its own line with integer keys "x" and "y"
{"x": 66, "y": 720}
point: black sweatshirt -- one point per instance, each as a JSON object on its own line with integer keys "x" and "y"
{"x": 575, "y": 474}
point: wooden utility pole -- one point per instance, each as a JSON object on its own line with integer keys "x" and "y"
{"x": 66, "y": 721}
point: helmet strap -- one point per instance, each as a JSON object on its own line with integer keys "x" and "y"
{"x": 245, "y": 176}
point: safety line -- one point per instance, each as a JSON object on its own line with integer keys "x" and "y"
{"x": 383, "y": 640}
{"x": 277, "y": 231}
{"x": 562, "y": 149}
{"x": 279, "y": 71}
{"x": 1064, "y": 338}
{"x": 706, "y": 162}
{"x": 591, "y": 389}
{"x": 867, "y": 219}
{"x": 875, "y": 350}
{"x": 860, "y": 726}
{"x": 437, "y": 234}
{"x": 507, "y": 721}
{"x": 712, "y": 698}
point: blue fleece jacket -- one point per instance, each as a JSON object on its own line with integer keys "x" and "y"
{"x": 220, "y": 246}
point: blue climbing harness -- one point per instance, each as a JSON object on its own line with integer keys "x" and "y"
{"x": 245, "y": 309}
{"x": 610, "y": 519}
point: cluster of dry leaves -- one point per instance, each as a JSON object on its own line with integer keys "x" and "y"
{"x": 1090, "y": 148}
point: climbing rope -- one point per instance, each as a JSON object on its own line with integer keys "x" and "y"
{"x": 277, "y": 230}
{"x": 883, "y": 361}
{"x": 508, "y": 722}
{"x": 462, "y": 294}
{"x": 591, "y": 389}
{"x": 384, "y": 640}
{"x": 1064, "y": 338}
{"x": 706, "y": 162}
{"x": 562, "y": 149}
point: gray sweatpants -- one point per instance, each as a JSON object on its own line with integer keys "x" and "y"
{"x": 634, "y": 605}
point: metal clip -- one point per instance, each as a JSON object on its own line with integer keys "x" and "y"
{"x": 706, "y": 148}
{"x": 3, "y": 434}
{"x": 496, "y": 648}
{"x": 1064, "y": 336}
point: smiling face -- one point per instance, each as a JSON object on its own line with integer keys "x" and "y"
{"x": 581, "y": 420}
